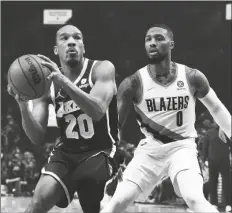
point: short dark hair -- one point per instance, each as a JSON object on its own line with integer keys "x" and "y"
{"x": 164, "y": 26}
{"x": 66, "y": 24}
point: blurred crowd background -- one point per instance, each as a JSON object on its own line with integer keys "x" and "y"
{"x": 113, "y": 31}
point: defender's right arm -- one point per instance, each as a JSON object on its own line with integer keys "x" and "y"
{"x": 125, "y": 96}
{"x": 34, "y": 122}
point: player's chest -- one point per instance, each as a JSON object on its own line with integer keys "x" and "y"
{"x": 64, "y": 103}
{"x": 158, "y": 98}
{"x": 154, "y": 90}
{"x": 84, "y": 85}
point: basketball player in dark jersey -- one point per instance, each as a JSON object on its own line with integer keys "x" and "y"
{"x": 84, "y": 96}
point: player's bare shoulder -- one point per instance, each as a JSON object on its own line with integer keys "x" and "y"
{"x": 131, "y": 87}
{"x": 103, "y": 70}
{"x": 197, "y": 81}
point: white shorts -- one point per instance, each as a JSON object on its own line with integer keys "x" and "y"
{"x": 153, "y": 162}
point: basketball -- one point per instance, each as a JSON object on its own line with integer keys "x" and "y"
{"x": 28, "y": 77}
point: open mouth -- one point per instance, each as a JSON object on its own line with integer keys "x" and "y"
{"x": 72, "y": 51}
{"x": 153, "y": 51}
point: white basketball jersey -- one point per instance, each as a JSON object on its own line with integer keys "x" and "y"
{"x": 167, "y": 113}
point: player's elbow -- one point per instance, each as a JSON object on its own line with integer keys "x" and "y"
{"x": 216, "y": 108}
{"x": 99, "y": 112}
{"x": 98, "y": 116}
{"x": 37, "y": 141}
{"x": 37, "y": 138}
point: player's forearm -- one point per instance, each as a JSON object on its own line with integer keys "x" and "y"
{"x": 32, "y": 128}
{"x": 219, "y": 112}
{"x": 121, "y": 122}
{"x": 90, "y": 105}
{"x": 125, "y": 97}
{"x": 123, "y": 111}
{"x": 223, "y": 118}
{"x": 120, "y": 131}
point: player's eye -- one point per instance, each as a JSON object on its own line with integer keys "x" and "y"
{"x": 77, "y": 37}
{"x": 148, "y": 39}
{"x": 160, "y": 38}
{"x": 64, "y": 38}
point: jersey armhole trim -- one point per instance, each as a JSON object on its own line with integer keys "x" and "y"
{"x": 82, "y": 71}
{"x": 90, "y": 74}
{"x": 52, "y": 90}
{"x": 141, "y": 88}
{"x": 189, "y": 85}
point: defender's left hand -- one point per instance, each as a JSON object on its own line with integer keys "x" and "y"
{"x": 56, "y": 74}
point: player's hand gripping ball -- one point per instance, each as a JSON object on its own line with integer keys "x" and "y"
{"x": 27, "y": 77}
{"x": 56, "y": 76}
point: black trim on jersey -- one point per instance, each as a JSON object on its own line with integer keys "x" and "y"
{"x": 201, "y": 171}
{"x": 113, "y": 119}
{"x": 163, "y": 138}
{"x": 89, "y": 66}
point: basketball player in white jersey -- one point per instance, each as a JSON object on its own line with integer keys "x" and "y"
{"x": 164, "y": 94}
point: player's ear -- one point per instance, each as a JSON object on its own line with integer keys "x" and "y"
{"x": 55, "y": 50}
{"x": 172, "y": 44}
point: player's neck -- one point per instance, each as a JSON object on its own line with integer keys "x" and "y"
{"x": 161, "y": 69}
{"x": 72, "y": 72}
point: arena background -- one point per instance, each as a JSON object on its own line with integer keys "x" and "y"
{"x": 115, "y": 31}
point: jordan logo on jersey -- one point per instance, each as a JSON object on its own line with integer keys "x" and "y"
{"x": 60, "y": 95}
{"x": 167, "y": 104}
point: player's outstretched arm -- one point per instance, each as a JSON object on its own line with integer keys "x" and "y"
{"x": 209, "y": 98}
{"x": 34, "y": 122}
{"x": 125, "y": 96}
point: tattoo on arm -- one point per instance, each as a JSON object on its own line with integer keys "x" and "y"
{"x": 125, "y": 97}
{"x": 198, "y": 82}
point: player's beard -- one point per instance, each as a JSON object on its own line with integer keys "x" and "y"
{"x": 157, "y": 58}
{"x": 73, "y": 62}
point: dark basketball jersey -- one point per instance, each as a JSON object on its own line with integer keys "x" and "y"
{"x": 79, "y": 132}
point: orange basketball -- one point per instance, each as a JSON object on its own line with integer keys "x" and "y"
{"x": 28, "y": 77}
